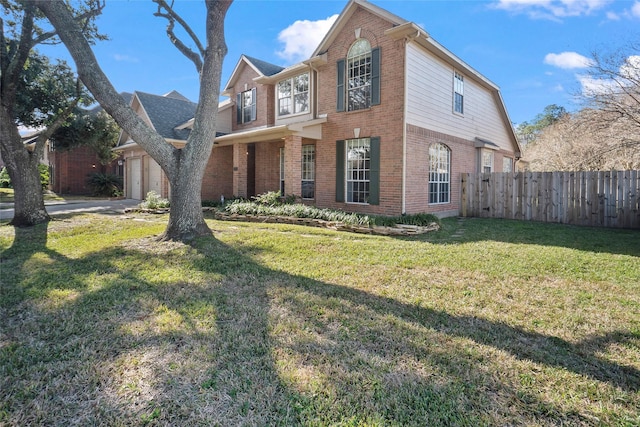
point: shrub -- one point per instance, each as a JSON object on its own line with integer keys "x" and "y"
{"x": 43, "y": 170}
{"x": 272, "y": 198}
{"x": 105, "y": 184}
{"x": 5, "y": 180}
{"x": 298, "y": 210}
{"x": 154, "y": 201}
{"x": 44, "y": 176}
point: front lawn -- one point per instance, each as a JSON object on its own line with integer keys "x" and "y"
{"x": 485, "y": 322}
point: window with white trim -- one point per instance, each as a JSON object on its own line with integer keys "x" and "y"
{"x": 359, "y": 75}
{"x": 439, "y": 174}
{"x": 246, "y": 106}
{"x": 358, "y": 170}
{"x": 487, "y": 161}
{"x": 293, "y": 95}
{"x": 308, "y": 171}
{"x": 458, "y": 93}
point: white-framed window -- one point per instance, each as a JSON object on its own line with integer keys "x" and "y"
{"x": 246, "y": 106}
{"x": 507, "y": 164}
{"x": 439, "y": 174}
{"x": 282, "y": 171}
{"x": 359, "y": 75}
{"x": 358, "y": 170}
{"x": 293, "y": 95}
{"x": 458, "y": 93}
{"x": 308, "y": 171}
{"x": 487, "y": 161}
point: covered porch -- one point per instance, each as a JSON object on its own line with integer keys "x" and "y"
{"x": 271, "y": 158}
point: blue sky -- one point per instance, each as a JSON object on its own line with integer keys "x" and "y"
{"x": 534, "y": 50}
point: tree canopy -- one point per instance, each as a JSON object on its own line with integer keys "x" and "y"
{"x": 34, "y": 92}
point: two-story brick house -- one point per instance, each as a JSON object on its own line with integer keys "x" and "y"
{"x": 380, "y": 119}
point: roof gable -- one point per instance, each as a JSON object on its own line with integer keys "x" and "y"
{"x": 344, "y": 16}
{"x": 262, "y": 68}
{"x": 166, "y": 113}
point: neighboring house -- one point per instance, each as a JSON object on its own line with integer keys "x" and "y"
{"x": 381, "y": 119}
{"x": 69, "y": 169}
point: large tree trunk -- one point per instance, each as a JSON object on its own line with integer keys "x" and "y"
{"x": 186, "y": 221}
{"x": 184, "y": 167}
{"x": 22, "y": 166}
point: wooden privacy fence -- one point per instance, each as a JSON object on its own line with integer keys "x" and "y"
{"x": 602, "y": 199}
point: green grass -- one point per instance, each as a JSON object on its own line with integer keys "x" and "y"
{"x": 485, "y": 322}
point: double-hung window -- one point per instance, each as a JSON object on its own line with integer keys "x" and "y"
{"x": 458, "y": 93}
{"x": 439, "y": 173}
{"x": 293, "y": 95}
{"x": 358, "y": 170}
{"x": 359, "y": 77}
{"x": 308, "y": 171}
{"x": 246, "y": 106}
{"x": 487, "y": 161}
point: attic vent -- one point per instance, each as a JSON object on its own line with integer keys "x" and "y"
{"x": 358, "y": 30}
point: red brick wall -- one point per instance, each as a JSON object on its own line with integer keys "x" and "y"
{"x": 384, "y": 120}
{"x": 463, "y": 159}
{"x": 268, "y": 166}
{"x": 71, "y": 169}
{"x": 265, "y": 97}
{"x": 218, "y": 176}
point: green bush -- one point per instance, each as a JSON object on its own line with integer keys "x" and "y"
{"x": 105, "y": 184}
{"x": 154, "y": 201}
{"x": 44, "y": 176}
{"x": 270, "y": 204}
{"x": 272, "y": 198}
{"x": 43, "y": 170}
{"x": 5, "y": 180}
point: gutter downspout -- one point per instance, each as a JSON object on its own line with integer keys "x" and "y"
{"x": 404, "y": 130}
{"x": 408, "y": 40}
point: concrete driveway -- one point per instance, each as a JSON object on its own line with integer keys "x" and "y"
{"x": 78, "y": 206}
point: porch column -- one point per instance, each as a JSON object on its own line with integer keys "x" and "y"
{"x": 293, "y": 165}
{"x": 240, "y": 170}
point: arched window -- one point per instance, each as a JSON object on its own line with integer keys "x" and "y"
{"x": 359, "y": 75}
{"x": 439, "y": 174}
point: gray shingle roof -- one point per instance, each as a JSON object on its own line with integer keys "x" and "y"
{"x": 264, "y": 67}
{"x": 167, "y": 112}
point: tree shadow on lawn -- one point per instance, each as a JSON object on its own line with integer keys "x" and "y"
{"x": 587, "y": 239}
{"x": 228, "y": 341}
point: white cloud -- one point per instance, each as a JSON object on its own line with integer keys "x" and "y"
{"x": 302, "y": 37}
{"x": 629, "y": 73}
{"x": 552, "y": 9}
{"x": 635, "y": 10}
{"x": 568, "y": 60}
{"x": 612, "y": 16}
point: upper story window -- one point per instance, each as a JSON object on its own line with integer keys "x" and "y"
{"x": 246, "y": 106}
{"x": 458, "y": 93}
{"x": 358, "y": 77}
{"x": 293, "y": 95}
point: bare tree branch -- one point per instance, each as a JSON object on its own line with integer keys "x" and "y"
{"x": 172, "y": 17}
